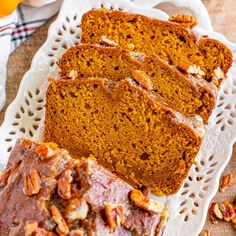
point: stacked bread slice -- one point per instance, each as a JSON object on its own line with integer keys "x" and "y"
{"x": 136, "y": 95}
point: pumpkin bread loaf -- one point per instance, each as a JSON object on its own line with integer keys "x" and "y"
{"x": 130, "y": 131}
{"x": 173, "y": 42}
{"x": 191, "y": 96}
{"x": 45, "y": 192}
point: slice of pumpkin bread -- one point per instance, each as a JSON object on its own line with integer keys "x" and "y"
{"x": 191, "y": 96}
{"x": 173, "y": 42}
{"x": 131, "y": 131}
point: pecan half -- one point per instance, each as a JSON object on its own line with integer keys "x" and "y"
{"x": 191, "y": 68}
{"x": 64, "y": 184}
{"x": 107, "y": 42}
{"x": 62, "y": 227}
{"x": 142, "y": 78}
{"x": 226, "y": 182}
{"x": 44, "y": 151}
{"x": 227, "y": 211}
{"x": 31, "y": 182}
{"x": 115, "y": 215}
{"x": 142, "y": 201}
{"x": 218, "y": 76}
{"x": 77, "y": 210}
{"x": 185, "y": 20}
{"x": 76, "y": 232}
{"x": 206, "y": 233}
{"x": 215, "y": 213}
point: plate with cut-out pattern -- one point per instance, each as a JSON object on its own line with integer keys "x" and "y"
{"x": 25, "y": 115}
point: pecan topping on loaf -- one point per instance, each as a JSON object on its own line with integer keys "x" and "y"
{"x": 115, "y": 215}
{"x": 185, "y": 20}
{"x": 62, "y": 227}
{"x": 31, "y": 183}
{"x": 51, "y": 213}
{"x": 44, "y": 151}
{"x": 77, "y": 210}
{"x": 64, "y": 184}
{"x": 144, "y": 202}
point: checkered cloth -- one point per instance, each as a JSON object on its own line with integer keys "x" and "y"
{"x": 15, "y": 29}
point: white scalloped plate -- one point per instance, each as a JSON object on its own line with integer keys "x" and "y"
{"x": 25, "y": 115}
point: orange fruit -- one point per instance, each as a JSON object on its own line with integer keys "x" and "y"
{"x": 8, "y": 6}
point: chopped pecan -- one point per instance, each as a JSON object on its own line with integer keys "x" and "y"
{"x": 31, "y": 182}
{"x": 191, "y": 68}
{"x": 64, "y": 184}
{"x": 62, "y": 227}
{"x": 107, "y": 42}
{"x": 142, "y": 201}
{"x": 142, "y": 78}
{"x": 73, "y": 74}
{"x": 76, "y": 232}
{"x": 206, "y": 233}
{"x": 4, "y": 177}
{"x": 217, "y": 76}
{"x": 30, "y": 227}
{"x": 226, "y": 182}
{"x": 44, "y": 151}
{"x": 115, "y": 215}
{"x": 185, "y": 20}
{"x": 215, "y": 213}
{"x": 77, "y": 210}
{"x": 227, "y": 211}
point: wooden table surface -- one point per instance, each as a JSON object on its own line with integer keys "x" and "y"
{"x": 223, "y": 16}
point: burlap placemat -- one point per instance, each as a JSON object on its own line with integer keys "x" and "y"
{"x": 223, "y": 16}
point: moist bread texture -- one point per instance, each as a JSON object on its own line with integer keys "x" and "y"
{"x": 191, "y": 96}
{"x": 171, "y": 41}
{"x": 131, "y": 131}
{"x": 46, "y": 192}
